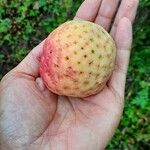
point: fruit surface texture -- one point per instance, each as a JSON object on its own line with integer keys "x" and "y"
{"x": 78, "y": 59}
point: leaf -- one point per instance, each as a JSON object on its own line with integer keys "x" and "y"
{"x": 142, "y": 98}
{"x": 5, "y": 25}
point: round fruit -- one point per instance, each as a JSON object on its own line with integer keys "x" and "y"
{"x": 78, "y": 59}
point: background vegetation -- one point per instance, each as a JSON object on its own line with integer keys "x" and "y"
{"x": 23, "y": 24}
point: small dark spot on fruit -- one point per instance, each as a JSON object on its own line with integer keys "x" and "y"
{"x": 66, "y": 87}
{"x": 91, "y": 39}
{"x": 91, "y": 62}
{"x": 67, "y": 27}
{"x": 58, "y": 40}
{"x": 98, "y": 36}
{"x": 99, "y": 56}
{"x": 68, "y": 36}
{"x": 56, "y": 66}
{"x": 92, "y": 51}
{"x": 107, "y": 40}
{"x": 85, "y": 56}
{"x": 87, "y": 43}
{"x": 81, "y": 72}
{"x": 105, "y": 76}
{"x": 75, "y": 27}
{"x": 103, "y": 32}
{"x": 69, "y": 68}
{"x": 48, "y": 74}
{"x": 105, "y": 67}
{"x": 71, "y": 94}
{"x": 75, "y": 42}
{"x": 57, "y": 90}
{"x": 80, "y": 36}
{"x": 76, "y": 88}
{"x": 108, "y": 55}
{"x": 86, "y": 82}
{"x": 67, "y": 45}
{"x": 90, "y": 73}
{"x": 97, "y": 75}
{"x": 97, "y": 45}
{"x": 98, "y": 66}
{"x": 85, "y": 31}
{"x": 76, "y": 81}
{"x": 92, "y": 30}
{"x": 67, "y": 58}
{"x": 82, "y": 48}
{"x": 79, "y": 62}
{"x": 104, "y": 46}
{"x": 89, "y": 90}
{"x": 66, "y": 75}
{"x": 75, "y": 52}
{"x": 97, "y": 83}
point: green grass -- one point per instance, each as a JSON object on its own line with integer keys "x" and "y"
{"x": 23, "y": 24}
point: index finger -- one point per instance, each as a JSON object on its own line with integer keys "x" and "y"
{"x": 88, "y": 10}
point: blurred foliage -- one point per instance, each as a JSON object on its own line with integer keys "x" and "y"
{"x": 134, "y": 129}
{"x": 23, "y": 24}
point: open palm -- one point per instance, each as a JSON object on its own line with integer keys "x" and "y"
{"x": 31, "y": 117}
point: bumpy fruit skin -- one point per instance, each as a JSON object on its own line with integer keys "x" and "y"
{"x": 78, "y": 59}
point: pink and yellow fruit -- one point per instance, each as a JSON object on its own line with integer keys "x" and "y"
{"x": 78, "y": 59}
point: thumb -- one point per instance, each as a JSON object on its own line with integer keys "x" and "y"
{"x": 30, "y": 64}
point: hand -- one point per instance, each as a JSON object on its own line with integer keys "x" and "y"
{"x": 32, "y": 118}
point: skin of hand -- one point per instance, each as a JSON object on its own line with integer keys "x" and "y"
{"x": 33, "y": 118}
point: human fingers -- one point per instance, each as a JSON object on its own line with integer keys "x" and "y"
{"x": 128, "y": 9}
{"x": 88, "y": 10}
{"x": 123, "y": 40}
{"x": 106, "y": 13}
